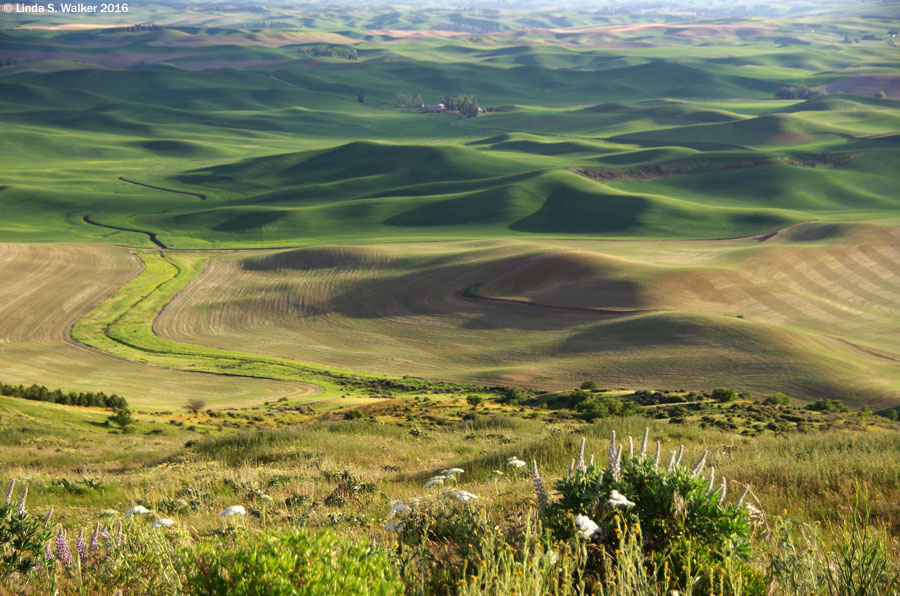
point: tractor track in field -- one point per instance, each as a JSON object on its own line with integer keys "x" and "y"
{"x": 200, "y": 196}
{"x": 150, "y": 235}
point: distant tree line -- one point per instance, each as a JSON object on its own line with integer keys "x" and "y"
{"x": 329, "y": 51}
{"x": 134, "y": 29}
{"x": 464, "y": 104}
{"x": 71, "y": 398}
{"x": 792, "y": 92}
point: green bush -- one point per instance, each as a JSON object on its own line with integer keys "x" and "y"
{"x": 722, "y": 394}
{"x": 22, "y": 536}
{"x": 294, "y": 562}
{"x": 686, "y": 525}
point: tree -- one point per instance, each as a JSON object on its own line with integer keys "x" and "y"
{"x": 195, "y": 405}
{"x": 474, "y": 400}
{"x": 360, "y": 97}
{"x": 122, "y": 418}
{"x": 589, "y": 385}
{"x": 722, "y": 394}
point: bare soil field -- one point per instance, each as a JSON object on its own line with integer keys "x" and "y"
{"x": 47, "y": 288}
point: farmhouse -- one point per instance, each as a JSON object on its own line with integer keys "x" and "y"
{"x": 438, "y": 109}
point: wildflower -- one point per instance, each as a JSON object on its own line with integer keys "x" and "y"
{"x": 680, "y": 453}
{"x": 394, "y": 526}
{"x": 617, "y": 499}
{"x": 80, "y": 546}
{"x": 94, "y": 544}
{"x": 452, "y": 471}
{"x": 48, "y": 554}
{"x": 712, "y": 480}
{"x": 580, "y": 465}
{"x": 743, "y": 495}
{"x": 9, "y": 491}
{"x": 630, "y": 447}
{"x": 234, "y": 510}
{"x": 586, "y": 526}
{"x": 398, "y": 508}
{"x": 463, "y": 496}
{"x": 104, "y": 533}
{"x": 435, "y": 481}
{"x": 658, "y": 452}
{"x": 163, "y": 522}
{"x": 539, "y": 490}
{"x": 48, "y": 516}
{"x": 137, "y": 510}
{"x": 497, "y": 473}
{"x": 22, "y": 500}
{"x": 62, "y": 548}
{"x": 515, "y": 462}
{"x": 698, "y": 467}
{"x": 724, "y": 490}
{"x": 644, "y": 442}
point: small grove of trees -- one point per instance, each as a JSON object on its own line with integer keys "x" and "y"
{"x": 329, "y": 51}
{"x": 792, "y": 92}
{"x": 464, "y": 104}
{"x": 71, "y": 398}
{"x": 407, "y": 101}
{"x": 590, "y": 407}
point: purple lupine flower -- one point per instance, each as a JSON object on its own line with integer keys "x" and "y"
{"x": 80, "y": 545}
{"x": 39, "y": 567}
{"x": 580, "y": 465}
{"x": 22, "y": 500}
{"x": 120, "y": 536}
{"x": 94, "y": 544}
{"x": 48, "y": 554}
{"x": 104, "y": 533}
{"x": 539, "y": 491}
{"x": 48, "y": 516}
{"x": 9, "y": 491}
{"x": 62, "y": 548}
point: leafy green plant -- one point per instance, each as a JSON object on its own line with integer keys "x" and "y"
{"x": 684, "y": 519}
{"x": 293, "y": 562}
{"x": 22, "y": 536}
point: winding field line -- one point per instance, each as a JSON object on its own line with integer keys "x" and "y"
{"x": 150, "y": 235}
{"x": 122, "y": 326}
{"x": 199, "y": 195}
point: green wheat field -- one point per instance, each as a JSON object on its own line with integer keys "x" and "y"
{"x": 384, "y": 298}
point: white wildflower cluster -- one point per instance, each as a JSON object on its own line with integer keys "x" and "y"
{"x": 586, "y": 526}
{"x": 515, "y": 462}
{"x": 399, "y": 509}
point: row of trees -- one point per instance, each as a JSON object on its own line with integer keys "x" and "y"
{"x": 71, "y": 398}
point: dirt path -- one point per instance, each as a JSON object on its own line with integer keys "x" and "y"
{"x": 200, "y": 196}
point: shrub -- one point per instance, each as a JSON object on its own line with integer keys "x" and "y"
{"x": 22, "y": 536}
{"x": 589, "y": 385}
{"x": 827, "y": 405}
{"x": 293, "y": 562}
{"x": 685, "y": 523}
